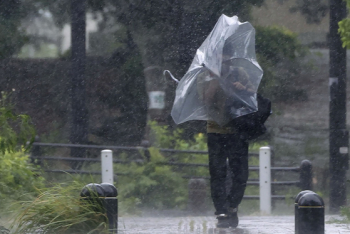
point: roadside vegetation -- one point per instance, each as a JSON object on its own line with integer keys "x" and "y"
{"x": 55, "y": 207}
{"x": 59, "y": 209}
{"x": 18, "y": 176}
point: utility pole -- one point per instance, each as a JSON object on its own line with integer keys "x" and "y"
{"x": 338, "y": 135}
{"x": 79, "y": 114}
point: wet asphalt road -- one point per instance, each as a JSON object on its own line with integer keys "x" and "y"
{"x": 206, "y": 225}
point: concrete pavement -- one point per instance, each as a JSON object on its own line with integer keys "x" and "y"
{"x": 206, "y": 225}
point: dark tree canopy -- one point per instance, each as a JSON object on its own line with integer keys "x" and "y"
{"x": 180, "y": 26}
{"x": 171, "y": 25}
{"x": 313, "y": 10}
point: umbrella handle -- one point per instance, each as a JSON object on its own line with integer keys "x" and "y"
{"x": 171, "y": 75}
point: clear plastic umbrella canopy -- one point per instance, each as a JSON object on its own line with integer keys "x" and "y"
{"x": 224, "y": 76}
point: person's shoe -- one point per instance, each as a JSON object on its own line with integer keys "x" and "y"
{"x": 223, "y": 221}
{"x": 233, "y": 217}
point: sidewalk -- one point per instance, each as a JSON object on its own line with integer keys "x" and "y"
{"x": 206, "y": 225}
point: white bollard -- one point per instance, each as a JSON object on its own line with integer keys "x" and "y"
{"x": 107, "y": 166}
{"x": 265, "y": 180}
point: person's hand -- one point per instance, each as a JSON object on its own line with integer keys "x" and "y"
{"x": 239, "y": 86}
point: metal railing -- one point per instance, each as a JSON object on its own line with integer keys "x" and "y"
{"x": 265, "y": 183}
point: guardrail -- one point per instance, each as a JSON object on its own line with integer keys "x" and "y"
{"x": 265, "y": 170}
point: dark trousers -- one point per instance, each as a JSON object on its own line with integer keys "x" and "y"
{"x": 228, "y": 156}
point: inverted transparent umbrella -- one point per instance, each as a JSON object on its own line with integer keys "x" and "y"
{"x": 222, "y": 81}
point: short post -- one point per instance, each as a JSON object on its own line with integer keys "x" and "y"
{"x": 311, "y": 214}
{"x": 107, "y": 166}
{"x": 265, "y": 179}
{"x": 306, "y": 175}
{"x": 197, "y": 193}
{"x": 110, "y": 203}
{"x": 104, "y": 198}
{"x": 296, "y": 206}
{"x": 92, "y": 193}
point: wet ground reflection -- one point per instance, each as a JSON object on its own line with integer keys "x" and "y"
{"x": 228, "y": 231}
{"x": 207, "y": 225}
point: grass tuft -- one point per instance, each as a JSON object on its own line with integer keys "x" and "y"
{"x": 59, "y": 209}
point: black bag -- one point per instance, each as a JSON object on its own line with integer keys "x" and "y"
{"x": 252, "y": 125}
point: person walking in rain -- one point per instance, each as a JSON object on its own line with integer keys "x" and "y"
{"x": 228, "y": 150}
{"x": 220, "y": 87}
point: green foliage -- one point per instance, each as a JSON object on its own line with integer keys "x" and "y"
{"x": 151, "y": 185}
{"x": 344, "y": 29}
{"x": 164, "y": 137}
{"x": 345, "y": 211}
{"x": 277, "y": 44}
{"x": 279, "y": 54}
{"x": 256, "y": 145}
{"x": 42, "y": 51}
{"x": 59, "y": 209}
{"x": 18, "y": 176}
{"x": 173, "y": 139}
{"x": 14, "y": 129}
